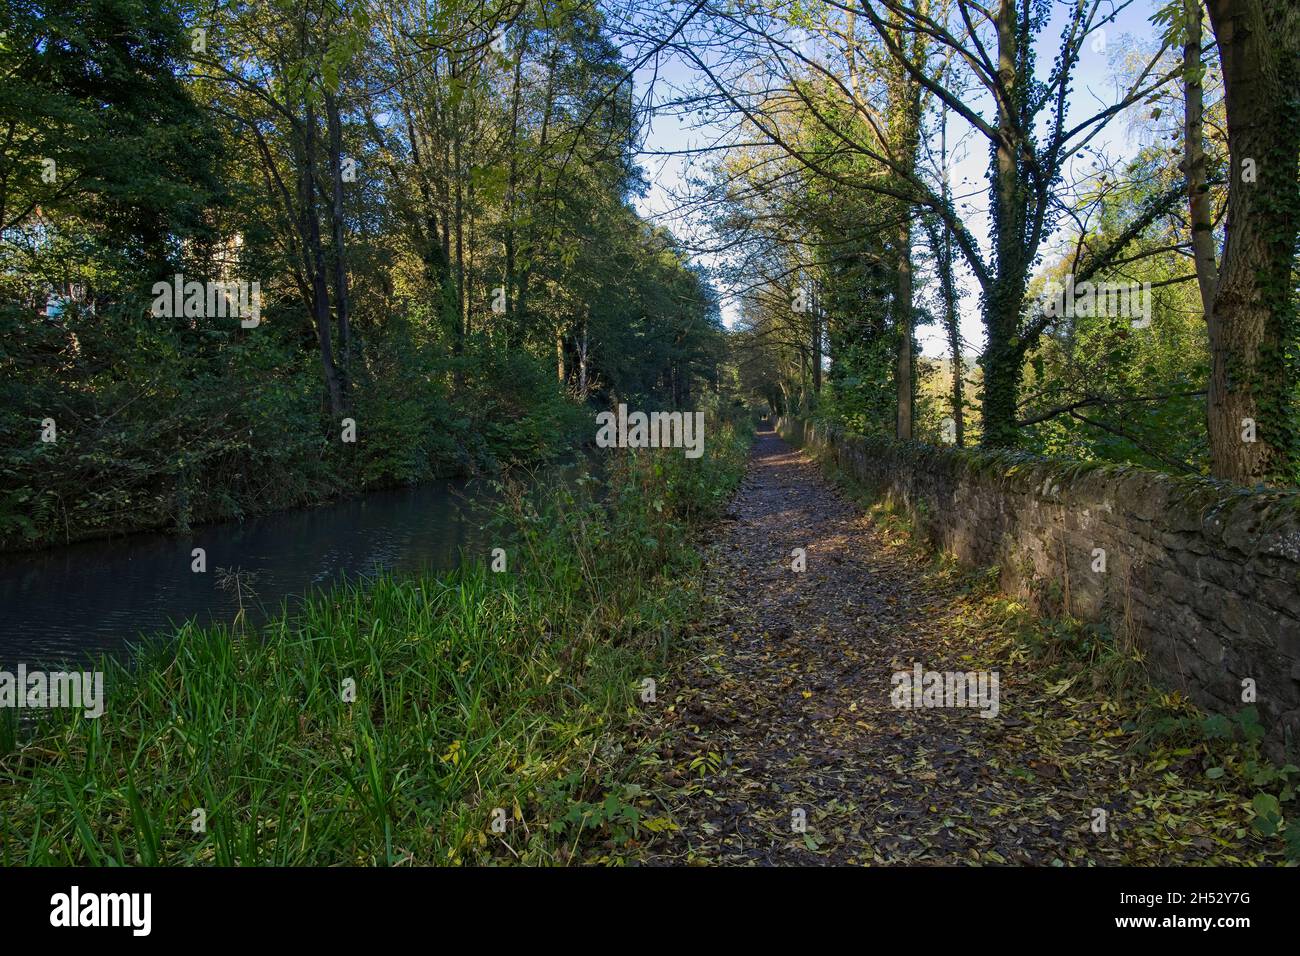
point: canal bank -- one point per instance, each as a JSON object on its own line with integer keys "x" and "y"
{"x": 461, "y": 716}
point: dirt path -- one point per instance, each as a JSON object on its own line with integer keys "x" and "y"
{"x": 785, "y": 707}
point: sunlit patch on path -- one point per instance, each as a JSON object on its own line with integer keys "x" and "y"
{"x": 782, "y": 744}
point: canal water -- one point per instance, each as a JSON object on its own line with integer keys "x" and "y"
{"x": 70, "y": 604}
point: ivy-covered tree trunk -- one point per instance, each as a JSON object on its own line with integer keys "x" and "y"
{"x": 903, "y": 303}
{"x": 905, "y": 136}
{"x": 1004, "y": 299}
{"x": 1253, "y": 328}
{"x": 951, "y": 319}
{"x": 941, "y": 247}
{"x": 1003, "y": 364}
{"x": 1201, "y": 215}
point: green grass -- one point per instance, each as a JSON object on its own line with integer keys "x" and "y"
{"x": 476, "y": 693}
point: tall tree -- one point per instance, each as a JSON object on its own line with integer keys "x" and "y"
{"x": 1254, "y": 334}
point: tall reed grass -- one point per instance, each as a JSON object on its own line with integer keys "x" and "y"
{"x": 479, "y": 697}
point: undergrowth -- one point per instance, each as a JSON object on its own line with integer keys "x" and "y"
{"x": 472, "y": 716}
{"x": 1217, "y": 760}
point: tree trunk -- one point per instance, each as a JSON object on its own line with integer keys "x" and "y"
{"x": 1003, "y": 357}
{"x": 459, "y": 341}
{"x": 341, "y": 301}
{"x": 817, "y": 320}
{"x": 1253, "y": 326}
{"x": 582, "y": 364}
{"x": 1198, "y": 193}
{"x": 559, "y": 355}
{"x": 543, "y": 145}
{"x": 905, "y": 140}
{"x": 903, "y": 304}
{"x": 514, "y": 330}
{"x": 320, "y": 297}
{"x": 941, "y": 246}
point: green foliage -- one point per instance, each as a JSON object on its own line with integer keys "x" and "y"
{"x": 167, "y": 163}
{"x": 474, "y": 691}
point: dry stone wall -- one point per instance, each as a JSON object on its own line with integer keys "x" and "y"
{"x": 1205, "y": 577}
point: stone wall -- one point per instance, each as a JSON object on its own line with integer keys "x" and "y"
{"x": 1206, "y": 577}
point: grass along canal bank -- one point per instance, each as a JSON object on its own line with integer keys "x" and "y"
{"x": 473, "y": 716}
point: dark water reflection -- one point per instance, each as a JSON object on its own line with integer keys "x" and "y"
{"x": 72, "y": 603}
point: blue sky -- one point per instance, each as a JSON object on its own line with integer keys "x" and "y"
{"x": 1096, "y": 85}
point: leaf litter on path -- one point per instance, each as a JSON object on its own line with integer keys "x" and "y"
{"x": 781, "y": 715}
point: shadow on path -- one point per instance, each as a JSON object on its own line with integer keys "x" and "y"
{"x": 785, "y": 707}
